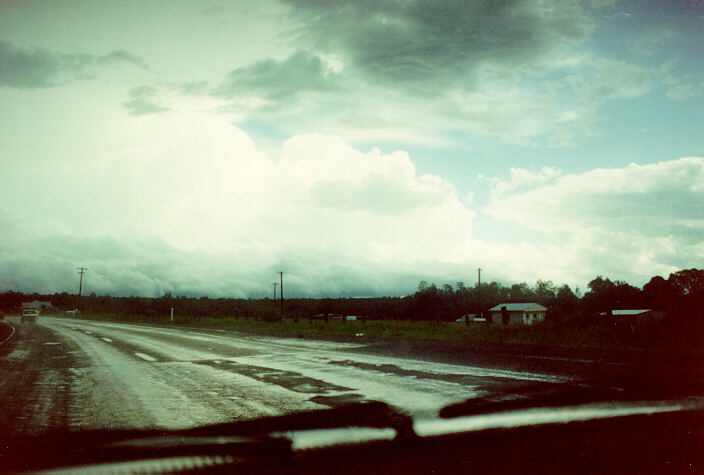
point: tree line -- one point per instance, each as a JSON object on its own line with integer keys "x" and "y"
{"x": 680, "y": 296}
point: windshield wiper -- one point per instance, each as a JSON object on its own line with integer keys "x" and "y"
{"x": 371, "y": 414}
{"x": 251, "y": 440}
{"x": 556, "y": 398}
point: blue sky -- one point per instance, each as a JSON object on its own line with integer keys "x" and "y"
{"x": 199, "y": 147}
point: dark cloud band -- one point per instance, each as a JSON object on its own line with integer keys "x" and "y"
{"x": 40, "y": 68}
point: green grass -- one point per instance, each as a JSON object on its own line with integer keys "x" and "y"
{"x": 659, "y": 338}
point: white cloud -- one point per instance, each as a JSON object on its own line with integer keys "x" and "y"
{"x": 187, "y": 203}
{"x": 618, "y": 79}
{"x": 552, "y": 99}
{"x": 634, "y": 221}
{"x": 684, "y": 91}
{"x": 520, "y": 177}
{"x": 469, "y": 198}
{"x": 200, "y": 187}
{"x": 603, "y": 3}
{"x": 665, "y": 193}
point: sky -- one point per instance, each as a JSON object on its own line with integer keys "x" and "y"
{"x": 200, "y": 147}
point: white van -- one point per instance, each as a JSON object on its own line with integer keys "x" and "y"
{"x": 30, "y": 314}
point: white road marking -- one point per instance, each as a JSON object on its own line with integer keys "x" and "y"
{"x": 52, "y": 343}
{"x": 145, "y": 357}
{"x": 106, "y": 339}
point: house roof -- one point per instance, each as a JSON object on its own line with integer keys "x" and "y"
{"x": 519, "y": 307}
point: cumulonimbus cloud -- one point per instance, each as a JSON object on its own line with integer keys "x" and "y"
{"x": 189, "y": 205}
{"x": 198, "y": 186}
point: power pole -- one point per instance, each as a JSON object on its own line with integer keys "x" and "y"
{"x": 80, "y": 270}
{"x": 275, "y": 284}
{"x": 479, "y": 291}
{"x": 281, "y": 288}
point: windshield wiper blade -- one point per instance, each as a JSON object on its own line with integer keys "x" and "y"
{"x": 68, "y": 448}
{"x": 251, "y": 439}
{"x": 559, "y": 398}
{"x": 372, "y": 414}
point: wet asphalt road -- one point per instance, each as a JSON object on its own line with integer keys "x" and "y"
{"x": 70, "y": 374}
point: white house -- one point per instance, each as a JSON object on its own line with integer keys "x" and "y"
{"x": 517, "y": 313}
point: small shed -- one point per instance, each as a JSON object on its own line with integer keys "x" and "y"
{"x": 634, "y": 317}
{"x": 518, "y": 313}
{"x": 336, "y": 316}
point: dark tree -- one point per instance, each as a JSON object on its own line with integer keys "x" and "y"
{"x": 566, "y": 304}
{"x": 659, "y": 293}
{"x": 688, "y": 286}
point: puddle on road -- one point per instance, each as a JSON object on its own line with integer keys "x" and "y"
{"x": 19, "y": 354}
{"x": 339, "y": 400}
{"x": 287, "y": 379}
{"x": 395, "y": 370}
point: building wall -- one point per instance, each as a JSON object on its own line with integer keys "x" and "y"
{"x": 513, "y": 317}
{"x": 533, "y": 317}
{"x": 637, "y": 320}
{"x": 519, "y": 318}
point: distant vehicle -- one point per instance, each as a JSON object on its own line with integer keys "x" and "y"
{"x": 30, "y": 314}
{"x": 470, "y": 318}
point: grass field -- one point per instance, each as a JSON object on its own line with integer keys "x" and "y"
{"x": 657, "y": 338}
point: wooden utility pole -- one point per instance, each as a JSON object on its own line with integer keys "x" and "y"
{"x": 80, "y": 270}
{"x": 275, "y": 284}
{"x": 281, "y": 288}
{"x": 479, "y": 291}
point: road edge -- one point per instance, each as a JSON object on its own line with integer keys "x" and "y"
{"x": 12, "y": 332}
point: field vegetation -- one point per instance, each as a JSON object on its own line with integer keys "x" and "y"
{"x": 573, "y": 320}
{"x": 657, "y": 337}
